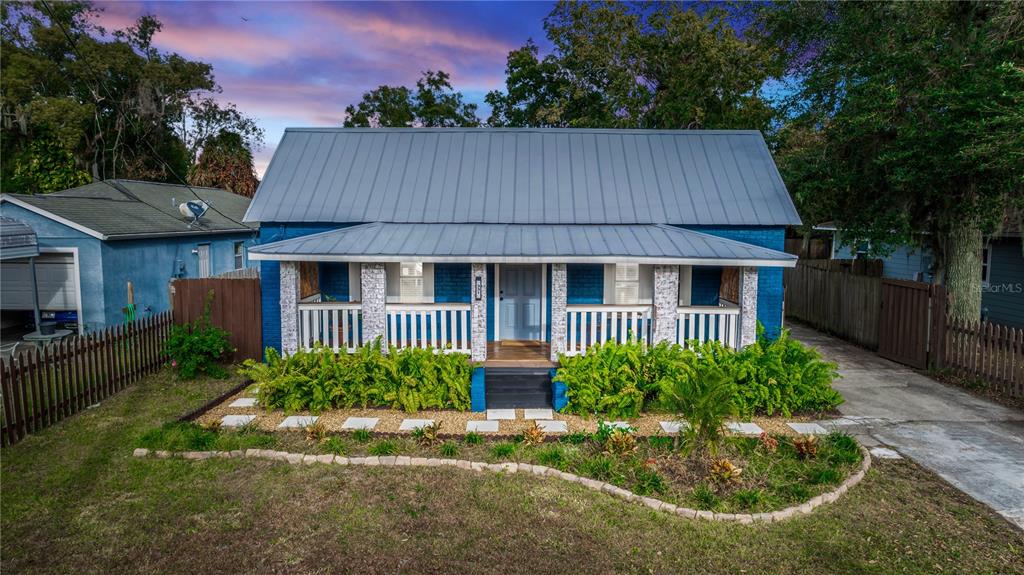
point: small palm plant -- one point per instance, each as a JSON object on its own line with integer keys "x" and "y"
{"x": 704, "y": 397}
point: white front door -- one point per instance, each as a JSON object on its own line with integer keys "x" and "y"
{"x": 203, "y": 251}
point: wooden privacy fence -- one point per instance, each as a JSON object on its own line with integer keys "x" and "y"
{"x": 42, "y": 386}
{"x": 994, "y": 353}
{"x": 840, "y": 303}
{"x": 235, "y": 307}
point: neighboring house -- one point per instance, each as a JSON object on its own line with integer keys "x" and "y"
{"x": 504, "y": 243}
{"x": 97, "y": 238}
{"x": 1002, "y": 270}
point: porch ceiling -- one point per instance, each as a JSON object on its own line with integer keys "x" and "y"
{"x": 521, "y": 243}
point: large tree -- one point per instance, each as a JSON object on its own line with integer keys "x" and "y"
{"x": 433, "y": 104}
{"x": 225, "y": 162}
{"x": 638, "y": 65}
{"x": 906, "y": 124}
{"x": 78, "y": 103}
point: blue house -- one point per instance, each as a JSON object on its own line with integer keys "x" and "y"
{"x": 517, "y": 245}
{"x": 1002, "y": 269}
{"x": 96, "y": 239}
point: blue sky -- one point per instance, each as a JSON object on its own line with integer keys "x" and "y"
{"x": 300, "y": 63}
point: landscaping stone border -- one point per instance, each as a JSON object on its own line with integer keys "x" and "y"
{"x": 202, "y": 409}
{"x": 540, "y": 470}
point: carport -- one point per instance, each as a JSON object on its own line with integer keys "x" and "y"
{"x": 19, "y": 258}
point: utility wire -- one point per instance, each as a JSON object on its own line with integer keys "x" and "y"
{"x": 117, "y": 108}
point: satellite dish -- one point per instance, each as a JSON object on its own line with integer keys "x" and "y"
{"x": 194, "y": 210}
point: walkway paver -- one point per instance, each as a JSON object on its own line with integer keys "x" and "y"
{"x": 360, "y": 423}
{"x": 617, "y": 424}
{"x": 673, "y": 426}
{"x": 490, "y": 426}
{"x": 236, "y": 420}
{"x": 744, "y": 428}
{"x": 537, "y": 414}
{"x": 412, "y": 424}
{"x": 975, "y": 444}
{"x": 298, "y": 421}
{"x": 243, "y": 402}
{"x": 884, "y": 453}
{"x": 552, "y": 426}
{"x": 501, "y": 414}
{"x": 808, "y": 428}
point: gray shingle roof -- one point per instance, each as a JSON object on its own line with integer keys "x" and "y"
{"x": 128, "y": 208}
{"x": 17, "y": 240}
{"x": 511, "y": 243}
{"x": 525, "y": 176}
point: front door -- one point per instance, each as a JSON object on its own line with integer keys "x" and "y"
{"x": 519, "y": 297}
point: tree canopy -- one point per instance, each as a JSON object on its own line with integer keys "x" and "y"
{"x": 906, "y": 123}
{"x": 433, "y": 104}
{"x": 79, "y": 103}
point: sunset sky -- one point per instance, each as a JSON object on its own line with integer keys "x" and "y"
{"x": 301, "y": 63}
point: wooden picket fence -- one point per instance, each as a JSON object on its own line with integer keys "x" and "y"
{"x": 987, "y": 351}
{"x": 42, "y": 386}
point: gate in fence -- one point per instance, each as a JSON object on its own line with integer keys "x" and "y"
{"x": 905, "y": 323}
{"x": 235, "y": 307}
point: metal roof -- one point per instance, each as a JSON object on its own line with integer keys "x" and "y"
{"x": 122, "y": 209}
{"x": 520, "y": 243}
{"x": 17, "y": 240}
{"x": 523, "y": 176}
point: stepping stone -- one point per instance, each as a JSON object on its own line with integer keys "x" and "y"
{"x": 243, "y": 402}
{"x": 360, "y": 423}
{"x": 482, "y": 426}
{"x": 253, "y": 390}
{"x": 297, "y": 421}
{"x": 501, "y": 414}
{"x": 808, "y": 428}
{"x": 552, "y": 426}
{"x": 412, "y": 424}
{"x": 673, "y": 426}
{"x": 537, "y": 414}
{"x": 884, "y": 453}
{"x": 617, "y": 424}
{"x": 744, "y": 428}
{"x": 236, "y": 420}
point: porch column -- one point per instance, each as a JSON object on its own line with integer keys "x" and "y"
{"x": 373, "y": 286}
{"x": 748, "y": 306}
{"x": 289, "y": 307}
{"x": 666, "y": 300}
{"x": 558, "y": 311}
{"x": 478, "y": 312}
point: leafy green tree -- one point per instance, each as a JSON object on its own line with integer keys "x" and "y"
{"x": 906, "y": 125}
{"x": 225, "y": 162}
{"x": 638, "y": 66}
{"x": 81, "y": 101}
{"x": 433, "y": 104}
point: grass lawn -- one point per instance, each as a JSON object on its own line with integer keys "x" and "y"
{"x": 74, "y": 500}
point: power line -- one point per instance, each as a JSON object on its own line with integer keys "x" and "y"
{"x": 117, "y": 108}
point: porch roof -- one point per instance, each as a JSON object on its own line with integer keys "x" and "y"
{"x": 521, "y": 243}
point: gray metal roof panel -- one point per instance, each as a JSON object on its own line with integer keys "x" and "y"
{"x": 524, "y": 176}
{"x": 17, "y": 239}
{"x": 520, "y": 242}
{"x": 149, "y": 208}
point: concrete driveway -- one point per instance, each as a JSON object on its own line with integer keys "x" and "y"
{"x": 975, "y": 444}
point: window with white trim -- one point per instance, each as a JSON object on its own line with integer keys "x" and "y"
{"x": 410, "y": 282}
{"x": 986, "y": 264}
{"x": 627, "y": 283}
{"x": 239, "y": 255}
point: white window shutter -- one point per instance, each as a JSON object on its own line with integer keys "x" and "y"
{"x": 685, "y": 285}
{"x": 609, "y": 284}
{"x": 355, "y": 282}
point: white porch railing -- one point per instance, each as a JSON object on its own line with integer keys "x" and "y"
{"x": 442, "y": 326}
{"x": 335, "y": 324}
{"x": 704, "y": 323}
{"x": 590, "y": 325}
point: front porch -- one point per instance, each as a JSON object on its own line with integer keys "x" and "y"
{"x": 482, "y": 326}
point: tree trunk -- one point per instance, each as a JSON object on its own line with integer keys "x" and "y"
{"x": 963, "y": 271}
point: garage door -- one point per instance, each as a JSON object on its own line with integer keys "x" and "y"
{"x": 55, "y": 274}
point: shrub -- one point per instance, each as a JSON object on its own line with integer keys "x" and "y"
{"x": 620, "y": 442}
{"x": 362, "y": 435}
{"x": 703, "y": 396}
{"x": 806, "y": 446}
{"x": 473, "y": 438}
{"x": 318, "y": 379}
{"x": 427, "y": 435}
{"x": 449, "y": 449}
{"x": 503, "y": 450}
{"x": 724, "y": 471}
{"x": 316, "y": 431}
{"x": 199, "y": 347}
{"x": 622, "y": 379}
{"x": 384, "y": 447}
{"x": 533, "y": 435}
